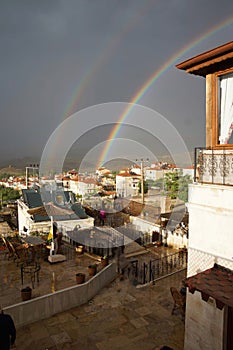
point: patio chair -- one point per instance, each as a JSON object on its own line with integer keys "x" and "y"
{"x": 179, "y": 301}
{"x": 10, "y": 249}
{"x": 7, "y": 253}
{"x": 17, "y": 252}
{"x": 23, "y": 253}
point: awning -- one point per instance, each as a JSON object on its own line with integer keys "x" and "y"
{"x": 216, "y": 282}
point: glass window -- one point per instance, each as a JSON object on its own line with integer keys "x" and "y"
{"x": 225, "y": 109}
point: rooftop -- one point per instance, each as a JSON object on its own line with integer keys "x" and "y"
{"x": 216, "y": 282}
{"x": 210, "y": 61}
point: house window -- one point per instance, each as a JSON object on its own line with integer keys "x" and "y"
{"x": 225, "y": 109}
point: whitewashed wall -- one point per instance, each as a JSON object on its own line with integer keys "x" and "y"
{"x": 210, "y": 240}
{"x": 200, "y": 332}
{"x": 211, "y": 219}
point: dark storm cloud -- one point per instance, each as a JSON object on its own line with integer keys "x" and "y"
{"x": 49, "y": 47}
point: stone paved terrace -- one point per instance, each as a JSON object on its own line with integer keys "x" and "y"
{"x": 121, "y": 316}
{"x": 52, "y": 277}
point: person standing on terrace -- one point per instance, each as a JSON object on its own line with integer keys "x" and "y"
{"x": 7, "y": 331}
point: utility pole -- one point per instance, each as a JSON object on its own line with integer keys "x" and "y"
{"x": 35, "y": 166}
{"x": 142, "y": 181}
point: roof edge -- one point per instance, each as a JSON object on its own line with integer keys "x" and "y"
{"x": 206, "y": 56}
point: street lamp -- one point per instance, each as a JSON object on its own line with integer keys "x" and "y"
{"x": 142, "y": 178}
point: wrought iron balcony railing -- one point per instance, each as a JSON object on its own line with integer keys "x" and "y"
{"x": 213, "y": 166}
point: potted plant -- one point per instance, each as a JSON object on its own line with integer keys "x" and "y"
{"x": 104, "y": 261}
{"x": 79, "y": 249}
{"x": 26, "y": 293}
{"x": 80, "y": 278}
{"x": 92, "y": 269}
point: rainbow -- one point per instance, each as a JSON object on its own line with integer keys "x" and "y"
{"x": 152, "y": 79}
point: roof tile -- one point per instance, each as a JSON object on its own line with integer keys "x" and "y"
{"x": 215, "y": 282}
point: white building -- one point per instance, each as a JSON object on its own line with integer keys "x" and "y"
{"x": 30, "y": 223}
{"x": 209, "y": 306}
{"x": 187, "y": 171}
{"x": 102, "y": 171}
{"x": 87, "y": 186}
{"x": 127, "y": 185}
{"x": 153, "y": 173}
{"x": 72, "y": 183}
{"x": 136, "y": 169}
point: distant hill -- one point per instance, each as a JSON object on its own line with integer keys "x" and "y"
{"x": 19, "y": 163}
{"x": 17, "y": 166}
{"x": 118, "y": 164}
{"x": 11, "y": 171}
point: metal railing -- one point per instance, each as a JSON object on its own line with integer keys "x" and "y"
{"x": 145, "y": 272}
{"x": 213, "y": 166}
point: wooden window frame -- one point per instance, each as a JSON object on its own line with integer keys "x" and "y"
{"x": 215, "y": 109}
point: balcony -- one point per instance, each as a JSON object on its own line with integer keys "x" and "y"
{"x": 213, "y": 166}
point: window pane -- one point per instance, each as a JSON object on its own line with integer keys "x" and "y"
{"x": 225, "y": 103}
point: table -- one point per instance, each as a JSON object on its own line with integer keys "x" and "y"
{"x": 37, "y": 247}
{"x": 33, "y": 240}
{"x": 31, "y": 268}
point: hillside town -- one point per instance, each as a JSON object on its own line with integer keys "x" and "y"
{"x": 112, "y": 192}
{"x": 131, "y": 258}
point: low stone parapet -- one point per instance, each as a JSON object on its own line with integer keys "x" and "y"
{"x": 48, "y": 305}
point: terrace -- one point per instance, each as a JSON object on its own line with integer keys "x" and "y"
{"x": 54, "y": 286}
{"x": 52, "y": 277}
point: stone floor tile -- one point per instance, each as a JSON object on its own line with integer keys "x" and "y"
{"x": 51, "y": 321}
{"x": 61, "y": 338}
{"x": 114, "y": 343}
{"x": 139, "y": 322}
{"x": 144, "y": 310}
{"x": 40, "y": 333}
{"x": 54, "y": 329}
{"x": 65, "y": 317}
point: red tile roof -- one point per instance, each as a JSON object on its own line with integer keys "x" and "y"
{"x": 75, "y": 178}
{"x": 216, "y": 282}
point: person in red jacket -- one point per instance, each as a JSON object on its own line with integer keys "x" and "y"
{"x": 7, "y": 331}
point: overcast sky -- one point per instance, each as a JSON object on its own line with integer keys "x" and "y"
{"x": 60, "y": 56}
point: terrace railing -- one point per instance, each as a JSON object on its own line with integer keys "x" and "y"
{"x": 213, "y": 166}
{"x": 145, "y": 272}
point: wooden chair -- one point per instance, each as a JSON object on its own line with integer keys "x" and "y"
{"x": 7, "y": 253}
{"x": 17, "y": 252}
{"x": 179, "y": 301}
{"x": 10, "y": 249}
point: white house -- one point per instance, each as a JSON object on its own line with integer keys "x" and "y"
{"x": 136, "y": 169}
{"x": 209, "y": 304}
{"x": 127, "y": 185}
{"x": 30, "y": 223}
{"x": 87, "y": 186}
{"x": 73, "y": 184}
{"x": 153, "y": 173}
{"x": 187, "y": 171}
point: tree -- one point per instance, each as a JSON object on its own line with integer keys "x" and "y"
{"x": 177, "y": 185}
{"x": 184, "y": 181}
{"x": 8, "y": 194}
{"x": 172, "y": 183}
